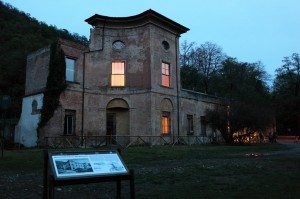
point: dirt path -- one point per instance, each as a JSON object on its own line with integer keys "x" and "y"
{"x": 293, "y": 148}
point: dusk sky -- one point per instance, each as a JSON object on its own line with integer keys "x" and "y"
{"x": 249, "y": 30}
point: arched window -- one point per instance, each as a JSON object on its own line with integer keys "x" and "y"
{"x": 165, "y": 123}
{"x": 34, "y": 109}
{"x": 166, "y": 108}
{"x": 117, "y": 103}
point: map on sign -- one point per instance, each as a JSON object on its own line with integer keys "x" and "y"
{"x": 86, "y": 164}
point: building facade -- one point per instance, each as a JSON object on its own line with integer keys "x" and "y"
{"x": 125, "y": 84}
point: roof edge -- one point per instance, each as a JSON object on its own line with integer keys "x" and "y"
{"x": 146, "y": 16}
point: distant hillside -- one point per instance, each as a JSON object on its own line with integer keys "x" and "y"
{"x": 21, "y": 34}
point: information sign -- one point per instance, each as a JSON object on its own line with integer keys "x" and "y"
{"x": 86, "y": 164}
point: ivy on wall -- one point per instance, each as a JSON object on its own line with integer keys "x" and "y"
{"x": 56, "y": 83}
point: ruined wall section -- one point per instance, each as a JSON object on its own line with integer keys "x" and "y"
{"x": 71, "y": 98}
{"x": 75, "y": 51}
{"x": 37, "y": 71}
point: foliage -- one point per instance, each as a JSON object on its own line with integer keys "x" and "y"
{"x": 218, "y": 119}
{"x": 21, "y": 34}
{"x": 205, "y": 69}
{"x": 204, "y": 61}
{"x": 241, "y": 81}
{"x": 56, "y": 83}
{"x": 286, "y": 95}
{"x": 190, "y": 78}
{"x": 245, "y": 87}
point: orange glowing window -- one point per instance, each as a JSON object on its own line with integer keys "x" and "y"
{"x": 165, "y": 77}
{"x": 118, "y": 74}
{"x": 165, "y": 123}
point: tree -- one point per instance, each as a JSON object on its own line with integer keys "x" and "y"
{"x": 248, "y": 100}
{"x": 241, "y": 81}
{"x": 190, "y": 79}
{"x": 185, "y": 56}
{"x": 286, "y": 95}
{"x": 289, "y": 72}
{"x": 205, "y": 60}
{"x": 20, "y": 35}
{"x": 218, "y": 118}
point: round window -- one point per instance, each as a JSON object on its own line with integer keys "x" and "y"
{"x": 118, "y": 45}
{"x": 165, "y": 45}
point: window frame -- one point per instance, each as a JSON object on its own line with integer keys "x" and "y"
{"x": 203, "y": 125}
{"x": 165, "y": 45}
{"x": 165, "y": 74}
{"x": 118, "y": 45}
{"x": 112, "y": 84}
{"x": 190, "y": 124}
{"x": 67, "y": 68}
{"x": 69, "y": 114}
{"x": 165, "y": 115}
{"x": 34, "y": 107}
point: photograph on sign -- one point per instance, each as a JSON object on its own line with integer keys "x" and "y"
{"x": 67, "y": 165}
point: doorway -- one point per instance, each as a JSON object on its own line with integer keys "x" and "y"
{"x": 117, "y": 121}
{"x": 111, "y": 128}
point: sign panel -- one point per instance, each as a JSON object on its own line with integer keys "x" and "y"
{"x": 86, "y": 164}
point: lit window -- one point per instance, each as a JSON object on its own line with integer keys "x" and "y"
{"x": 165, "y": 77}
{"x": 118, "y": 74}
{"x": 190, "y": 126}
{"x": 69, "y": 126}
{"x": 165, "y": 123}
{"x": 70, "y": 69}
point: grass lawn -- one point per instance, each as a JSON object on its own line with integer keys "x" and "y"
{"x": 164, "y": 172}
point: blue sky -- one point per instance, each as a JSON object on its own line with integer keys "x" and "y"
{"x": 250, "y": 30}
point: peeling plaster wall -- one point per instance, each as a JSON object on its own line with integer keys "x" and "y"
{"x": 25, "y": 132}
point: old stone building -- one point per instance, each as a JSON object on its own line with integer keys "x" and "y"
{"x": 125, "y": 85}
